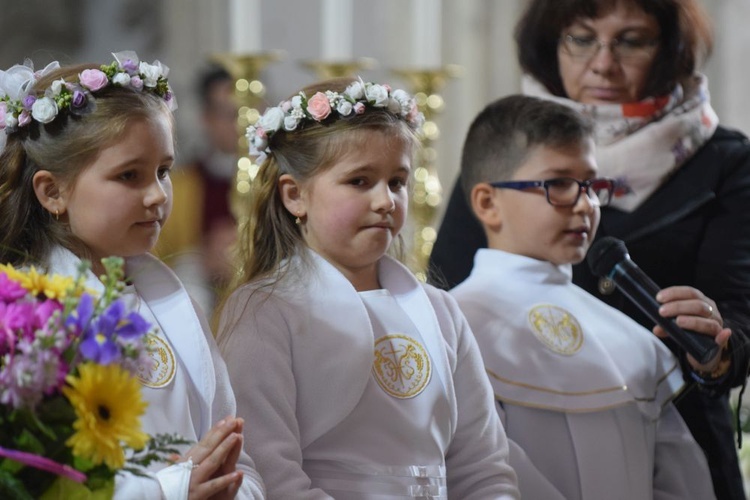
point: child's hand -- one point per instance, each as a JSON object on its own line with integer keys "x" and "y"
{"x": 694, "y": 311}
{"x": 214, "y": 460}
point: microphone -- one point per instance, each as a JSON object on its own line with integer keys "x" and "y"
{"x": 608, "y": 258}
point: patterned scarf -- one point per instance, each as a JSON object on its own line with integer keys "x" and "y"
{"x": 644, "y": 142}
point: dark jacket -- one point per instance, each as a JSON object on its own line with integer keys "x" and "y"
{"x": 694, "y": 230}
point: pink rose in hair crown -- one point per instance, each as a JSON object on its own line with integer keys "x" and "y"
{"x": 319, "y": 107}
{"x": 93, "y": 79}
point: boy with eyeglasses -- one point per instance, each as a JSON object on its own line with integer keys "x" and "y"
{"x": 585, "y": 393}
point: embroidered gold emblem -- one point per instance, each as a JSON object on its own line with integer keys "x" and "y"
{"x": 556, "y": 328}
{"x": 163, "y": 365}
{"x": 401, "y": 366}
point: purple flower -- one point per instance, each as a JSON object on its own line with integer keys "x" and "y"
{"x": 29, "y": 373}
{"x": 79, "y": 99}
{"x": 99, "y": 342}
{"x": 24, "y": 118}
{"x": 136, "y": 82}
{"x": 129, "y": 66}
{"x": 7, "y": 336}
{"x": 43, "y": 463}
{"x": 18, "y": 318}
{"x": 10, "y": 291}
{"x": 28, "y": 101}
{"x": 99, "y": 347}
{"x": 45, "y": 311}
{"x": 80, "y": 317}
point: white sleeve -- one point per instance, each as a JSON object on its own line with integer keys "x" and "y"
{"x": 477, "y": 459}
{"x": 680, "y": 467}
{"x": 128, "y": 486}
{"x": 258, "y": 353}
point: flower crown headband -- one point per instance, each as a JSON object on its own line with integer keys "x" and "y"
{"x": 19, "y": 107}
{"x": 357, "y": 97}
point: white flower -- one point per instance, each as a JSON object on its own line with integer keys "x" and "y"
{"x": 44, "y": 110}
{"x": 258, "y": 144}
{"x": 11, "y": 121}
{"x": 272, "y": 120}
{"x": 150, "y": 73}
{"x": 291, "y": 122}
{"x": 127, "y": 58}
{"x": 57, "y": 86}
{"x": 344, "y": 108}
{"x": 403, "y": 98}
{"x": 250, "y": 133}
{"x": 121, "y": 79}
{"x": 355, "y": 90}
{"x": 394, "y": 106}
{"x": 15, "y": 81}
{"x": 377, "y": 95}
{"x": 297, "y": 101}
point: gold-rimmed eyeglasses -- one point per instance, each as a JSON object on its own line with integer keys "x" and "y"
{"x": 623, "y": 49}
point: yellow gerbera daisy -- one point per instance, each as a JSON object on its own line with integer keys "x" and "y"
{"x": 52, "y": 286}
{"x": 107, "y": 401}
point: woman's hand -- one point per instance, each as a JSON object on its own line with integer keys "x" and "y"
{"x": 214, "y": 457}
{"x": 694, "y": 311}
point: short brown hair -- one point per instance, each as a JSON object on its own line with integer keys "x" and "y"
{"x": 685, "y": 41}
{"x": 503, "y": 134}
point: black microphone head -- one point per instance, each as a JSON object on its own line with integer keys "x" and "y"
{"x": 605, "y": 254}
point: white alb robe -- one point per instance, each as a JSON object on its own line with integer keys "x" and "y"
{"x": 586, "y": 391}
{"x": 303, "y": 358}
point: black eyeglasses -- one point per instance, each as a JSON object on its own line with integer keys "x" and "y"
{"x": 566, "y": 191}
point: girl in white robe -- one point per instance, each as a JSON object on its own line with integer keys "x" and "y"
{"x": 86, "y": 175}
{"x": 360, "y": 382}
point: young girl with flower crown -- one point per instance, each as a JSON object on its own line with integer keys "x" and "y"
{"x": 84, "y": 174}
{"x": 359, "y": 381}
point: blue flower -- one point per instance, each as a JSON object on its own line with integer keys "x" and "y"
{"x": 100, "y": 336}
{"x": 81, "y": 316}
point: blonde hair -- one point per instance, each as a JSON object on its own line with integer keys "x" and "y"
{"x": 271, "y": 236}
{"x": 64, "y": 147}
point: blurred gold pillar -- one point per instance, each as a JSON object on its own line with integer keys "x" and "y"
{"x": 427, "y": 193}
{"x": 249, "y": 92}
{"x": 335, "y": 69}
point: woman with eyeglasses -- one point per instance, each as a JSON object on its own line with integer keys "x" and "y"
{"x": 632, "y": 66}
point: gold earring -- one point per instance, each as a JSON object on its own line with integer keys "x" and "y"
{"x": 57, "y": 214}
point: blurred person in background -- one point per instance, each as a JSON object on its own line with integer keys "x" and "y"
{"x": 199, "y": 238}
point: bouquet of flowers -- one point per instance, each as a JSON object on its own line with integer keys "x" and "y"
{"x": 70, "y": 400}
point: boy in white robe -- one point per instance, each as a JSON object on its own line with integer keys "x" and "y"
{"x": 585, "y": 392}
